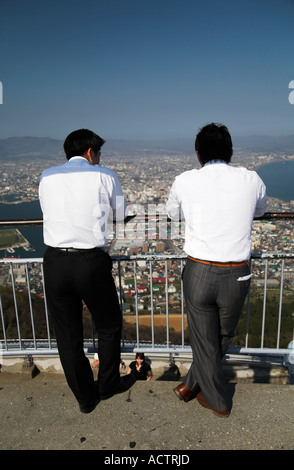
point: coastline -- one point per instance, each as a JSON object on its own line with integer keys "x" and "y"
{"x": 19, "y": 201}
{"x": 21, "y": 243}
{"x": 28, "y": 208}
{"x": 258, "y": 166}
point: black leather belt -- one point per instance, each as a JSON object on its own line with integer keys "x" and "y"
{"x": 80, "y": 250}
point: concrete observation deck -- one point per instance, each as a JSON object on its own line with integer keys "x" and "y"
{"x": 39, "y": 412}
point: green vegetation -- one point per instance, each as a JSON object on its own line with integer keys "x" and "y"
{"x": 24, "y": 315}
{"x": 271, "y": 320}
{"x": 255, "y": 321}
{"x": 10, "y": 238}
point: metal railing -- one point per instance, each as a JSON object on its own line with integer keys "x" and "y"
{"x": 21, "y": 345}
{"x": 25, "y": 274}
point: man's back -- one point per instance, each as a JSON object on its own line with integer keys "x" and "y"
{"x": 76, "y": 199}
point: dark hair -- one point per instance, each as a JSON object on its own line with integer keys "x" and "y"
{"x": 140, "y": 356}
{"x": 214, "y": 142}
{"x": 78, "y": 142}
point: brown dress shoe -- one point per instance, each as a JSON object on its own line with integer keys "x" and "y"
{"x": 183, "y": 392}
{"x": 220, "y": 413}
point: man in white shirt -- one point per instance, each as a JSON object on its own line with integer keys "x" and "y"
{"x": 77, "y": 198}
{"x": 218, "y": 203}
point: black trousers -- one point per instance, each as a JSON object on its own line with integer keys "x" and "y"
{"x": 70, "y": 279}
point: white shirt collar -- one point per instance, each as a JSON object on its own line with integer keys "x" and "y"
{"x": 77, "y": 157}
{"x": 215, "y": 162}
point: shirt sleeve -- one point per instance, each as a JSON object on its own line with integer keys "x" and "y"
{"x": 40, "y": 190}
{"x": 262, "y": 198}
{"x": 173, "y": 205}
{"x": 117, "y": 200}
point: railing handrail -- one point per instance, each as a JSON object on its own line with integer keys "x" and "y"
{"x": 287, "y": 215}
{"x": 153, "y": 257}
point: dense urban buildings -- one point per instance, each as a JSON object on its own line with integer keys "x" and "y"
{"x": 146, "y": 178}
{"x": 144, "y": 286}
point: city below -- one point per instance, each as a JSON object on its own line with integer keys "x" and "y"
{"x": 146, "y": 178}
{"x": 146, "y": 174}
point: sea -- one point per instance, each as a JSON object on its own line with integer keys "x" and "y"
{"x": 278, "y": 177}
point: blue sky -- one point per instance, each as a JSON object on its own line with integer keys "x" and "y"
{"x": 138, "y": 69}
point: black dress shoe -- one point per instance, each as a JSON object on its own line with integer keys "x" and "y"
{"x": 90, "y": 408}
{"x": 125, "y": 383}
{"x": 94, "y": 403}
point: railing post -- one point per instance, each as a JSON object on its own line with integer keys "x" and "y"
{"x": 121, "y": 300}
{"x": 248, "y": 312}
{"x": 280, "y": 303}
{"x": 15, "y": 305}
{"x": 264, "y": 303}
{"x": 136, "y": 303}
{"x": 30, "y": 304}
{"x": 182, "y": 306}
{"x": 166, "y": 305}
{"x": 151, "y": 301}
{"x": 3, "y": 323}
{"x": 46, "y": 307}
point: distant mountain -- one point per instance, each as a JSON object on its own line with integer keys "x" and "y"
{"x": 257, "y": 143}
{"x": 265, "y": 143}
{"x": 21, "y": 147}
{"x": 45, "y": 147}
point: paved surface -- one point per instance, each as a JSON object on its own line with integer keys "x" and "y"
{"x": 41, "y": 413}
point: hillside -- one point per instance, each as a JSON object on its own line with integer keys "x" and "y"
{"x": 22, "y": 147}
{"x": 45, "y": 147}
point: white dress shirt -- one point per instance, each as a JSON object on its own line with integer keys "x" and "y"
{"x": 218, "y": 203}
{"x": 77, "y": 199}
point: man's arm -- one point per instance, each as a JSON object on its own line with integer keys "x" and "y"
{"x": 262, "y": 199}
{"x": 117, "y": 200}
{"x": 173, "y": 205}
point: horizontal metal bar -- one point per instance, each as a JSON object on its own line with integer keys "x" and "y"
{"x": 22, "y": 222}
{"x": 21, "y": 260}
{"x": 34, "y": 222}
{"x": 39, "y": 222}
{"x": 175, "y": 349}
{"x": 266, "y": 351}
{"x": 261, "y": 256}
{"x": 149, "y": 348}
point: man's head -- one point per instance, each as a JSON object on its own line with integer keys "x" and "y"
{"x": 82, "y": 143}
{"x": 213, "y": 142}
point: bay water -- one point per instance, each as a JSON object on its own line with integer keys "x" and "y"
{"x": 279, "y": 179}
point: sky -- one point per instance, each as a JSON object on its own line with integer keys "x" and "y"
{"x": 145, "y": 69}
